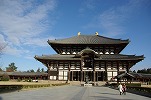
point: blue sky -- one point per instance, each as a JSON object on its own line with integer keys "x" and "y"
{"x": 26, "y": 25}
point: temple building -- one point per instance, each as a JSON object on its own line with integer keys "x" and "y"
{"x": 97, "y": 57}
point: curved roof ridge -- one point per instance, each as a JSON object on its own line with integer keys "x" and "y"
{"x": 88, "y": 39}
{"x": 90, "y": 35}
{"x": 109, "y": 38}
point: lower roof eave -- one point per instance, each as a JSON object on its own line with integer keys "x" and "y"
{"x": 121, "y": 59}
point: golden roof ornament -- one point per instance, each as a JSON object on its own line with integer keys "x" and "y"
{"x": 96, "y": 33}
{"x": 79, "y": 33}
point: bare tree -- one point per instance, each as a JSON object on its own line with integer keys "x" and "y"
{"x": 2, "y": 46}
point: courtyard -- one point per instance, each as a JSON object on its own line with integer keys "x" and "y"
{"x": 70, "y": 92}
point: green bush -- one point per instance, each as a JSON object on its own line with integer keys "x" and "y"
{"x": 127, "y": 84}
{"x": 141, "y": 89}
{"x": 8, "y": 88}
{"x": 5, "y": 77}
{"x": 19, "y": 80}
{"x": 29, "y": 80}
{"x": 134, "y": 84}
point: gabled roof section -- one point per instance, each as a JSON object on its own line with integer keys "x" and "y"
{"x": 124, "y": 75}
{"x": 134, "y": 75}
{"x": 88, "y": 39}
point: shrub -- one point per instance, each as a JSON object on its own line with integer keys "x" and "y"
{"x": 29, "y": 80}
{"x": 134, "y": 84}
{"x": 5, "y": 77}
{"x": 114, "y": 85}
{"x": 18, "y": 80}
{"x": 149, "y": 83}
{"x": 26, "y": 80}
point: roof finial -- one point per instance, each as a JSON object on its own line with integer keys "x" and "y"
{"x": 79, "y": 33}
{"x": 96, "y": 33}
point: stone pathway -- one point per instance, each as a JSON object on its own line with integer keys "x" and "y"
{"x": 70, "y": 93}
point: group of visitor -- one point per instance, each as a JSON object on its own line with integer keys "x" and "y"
{"x": 122, "y": 89}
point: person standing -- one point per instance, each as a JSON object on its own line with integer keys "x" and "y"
{"x": 120, "y": 87}
{"x": 124, "y": 89}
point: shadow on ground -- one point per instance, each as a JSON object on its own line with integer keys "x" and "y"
{"x": 108, "y": 98}
{"x": 109, "y": 93}
{"x": 1, "y": 98}
{"x": 140, "y": 93}
{"x": 9, "y": 88}
{"x": 137, "y": 92}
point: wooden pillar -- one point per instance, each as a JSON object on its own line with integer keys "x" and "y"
{"x": 117, "y": 70}
{"x": 81, "y": 76}
{"x": 117, "y": 67}
{"x": 81, "y": 70}
{"x": 57, "y": 65}
{"x": 48, "y": 66}
{"x": 83, "y": 73}
{"x": 72, "y": 76}
{"x": 69, "y": 71}
{"x": 106, "y": 71}
{"x": 112, "y": 69}
{"x": 127, "y": 67}
{"x": 78, "y": 76}
{"x": 97, "y": 76}
{"x": 94, "y": 76}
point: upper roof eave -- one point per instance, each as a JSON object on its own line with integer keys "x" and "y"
{"x": 88, "y": 39}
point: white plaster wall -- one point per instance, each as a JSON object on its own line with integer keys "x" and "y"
{"x": 61, "y": 73}
{"x": 109, "y": 77}
{"x": 65, "y": 73}
{"x": 65, "y": 78}
{"x": 60, "y": 77}
{"x": 114, "y": 73}
{"x": 109, "y": 73}
{"x": 53, "y": 78}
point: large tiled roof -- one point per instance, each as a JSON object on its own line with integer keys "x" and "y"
{"x": 134, "y": 75}
{"x": 124, "y": 75}
{"x": 141, "y": 75}
{"x": 24, "y": 73}
{"x": 88, "y": 39}
{"x": 99, "y": 57}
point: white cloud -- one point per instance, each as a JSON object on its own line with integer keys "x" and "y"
{"x": 11, "y": 50}
{"x": 87, "y": 5}
{"x": 21, "y": 22}
{"x": 111, "y": 21}
{"x": 38, "y": 41}
{"x": 2, "y": 40}
{"x": 2, "y": 44}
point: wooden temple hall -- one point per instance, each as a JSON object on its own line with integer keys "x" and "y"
{"x": 93, "y": 56}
